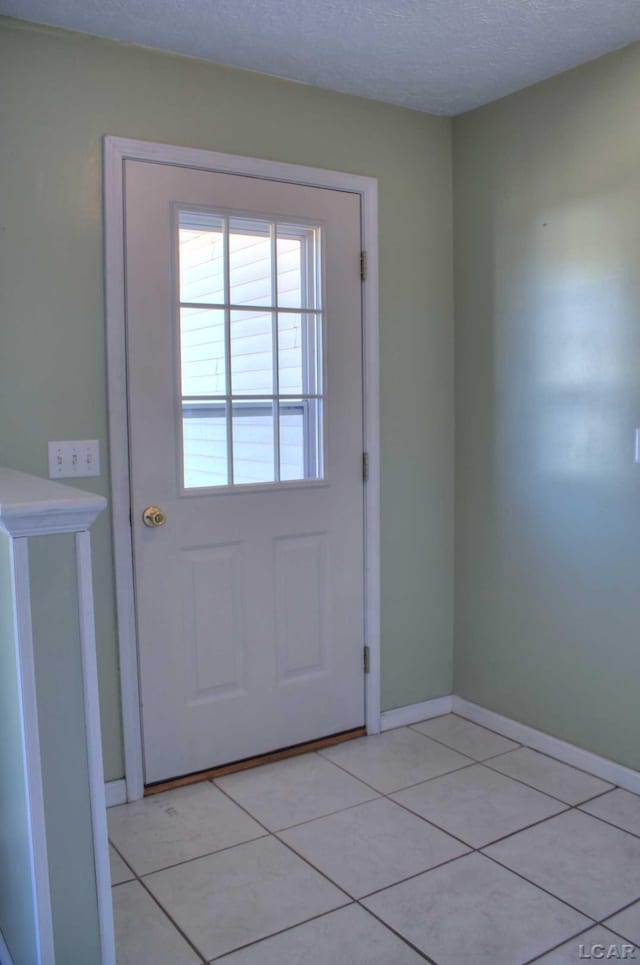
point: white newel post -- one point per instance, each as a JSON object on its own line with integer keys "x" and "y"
{"x": 30, "y": 506}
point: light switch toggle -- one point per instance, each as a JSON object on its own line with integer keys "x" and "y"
{"x": 77, "y": 458}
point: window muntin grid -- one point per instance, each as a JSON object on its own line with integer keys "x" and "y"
{"x": 250, "y": 350}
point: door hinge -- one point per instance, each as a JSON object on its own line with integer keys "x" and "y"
{"x": 367, "y": 660}
{"x": 363, "y": 265}
{"x": 365, "y": 466}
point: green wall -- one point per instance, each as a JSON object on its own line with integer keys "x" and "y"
{"x": 547, "y": 260}
{"x": 17, "y": 912}
{"x": 60, "y": 92}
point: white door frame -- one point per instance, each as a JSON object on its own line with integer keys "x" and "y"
{"x": 116, "y": 151}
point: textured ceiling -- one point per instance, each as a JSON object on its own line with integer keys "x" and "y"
{"x": 443, "y": 56}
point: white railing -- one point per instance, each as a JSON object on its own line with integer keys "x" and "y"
{"x": 30, "y": 506}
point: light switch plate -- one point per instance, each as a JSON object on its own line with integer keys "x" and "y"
{"x": 77, "y": 458}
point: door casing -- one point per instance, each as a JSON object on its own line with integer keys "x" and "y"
{"x": 116, "y": 151}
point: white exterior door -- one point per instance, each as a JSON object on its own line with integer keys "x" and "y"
{"x": 244, "y": 345}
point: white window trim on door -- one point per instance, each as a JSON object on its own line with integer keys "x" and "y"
{"x": 117, "y": 150}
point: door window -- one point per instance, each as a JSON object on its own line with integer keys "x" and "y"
{"x": 251, "y": 334}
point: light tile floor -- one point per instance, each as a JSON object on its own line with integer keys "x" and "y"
{"x": 440, "y": 842}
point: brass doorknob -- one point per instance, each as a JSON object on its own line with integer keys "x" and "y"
{"x": 153, "y": 516}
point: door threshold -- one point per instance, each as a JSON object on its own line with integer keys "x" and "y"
{"x": 280, "y": 755}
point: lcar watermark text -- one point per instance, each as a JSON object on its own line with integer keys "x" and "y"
{"x": 608, "y": 953}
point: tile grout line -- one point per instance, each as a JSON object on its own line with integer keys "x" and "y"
{"x": 472, "y": 849}
{"x": 519, "y": 874}
{"x": 205, "y": 854}
{"x": 139, "y": 880}
{"x": 486, "y": 762}
{"x": 454, "y": 713}
{"x": 561, "y": 944}
{"x": 593, "y": 922}
{"x": 387, "y": 796}
{"x": 584, "y": 931}
{"x": 550, "y": 757}
{"x": 532, "y": 787}
{"x": 596, "y": 921}
{"x": 439, "y": 740}
{"x": 417, "y": 874}
{"x": 329, "y": 814}
{"x": 467, "y": 720}
{"x": 393, "y": 931}
{"x": 519, "y": 746}
{"x": 324, "y": 914}
{"x": 620, "y": 910}
{"x": 123, "y": 859}
{"x": 406, "y": 787}
{"x": 273, "y": 835}
{"x": 480, "y": 763}
{"x": 380, "y": 795}
{"x": 480, "y": 851}
{"x": 595, "y": 797}
{"x": 188, "y": 940}
{"x": 631, "y": 941}
{"x": 610, "y": 824}
{"x": 281, "y": 931}
{"x": 526, "y": 827}
{"x": 352, "y": 901}
{"x": 431, "y": 824}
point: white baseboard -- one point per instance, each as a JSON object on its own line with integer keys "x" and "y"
{"x": 115, "y": 792}
{"x": 5, "y": 957}
{"x": 625, "y": 777}
{"x": 602, "y": 767}
{"x": 413, "y": 713}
